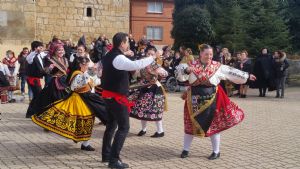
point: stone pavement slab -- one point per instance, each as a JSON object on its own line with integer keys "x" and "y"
{"x": 269, "y": 137}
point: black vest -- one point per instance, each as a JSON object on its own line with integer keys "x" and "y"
{"x": 35, "y": 69}
{"x": 112, "y": 79}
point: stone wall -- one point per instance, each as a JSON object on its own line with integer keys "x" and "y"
{"x": 22, "y": 21}
{"x": 67, "y": 18}
{"x": 294, "y": 73}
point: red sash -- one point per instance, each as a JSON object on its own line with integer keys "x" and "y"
{"x": 31, "y": 81}
{"x": 121, "y": 99}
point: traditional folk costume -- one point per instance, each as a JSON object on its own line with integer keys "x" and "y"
{"x": 207, "y": 109}
{"x": 115, "y": 84}
{"x": 5, "y": 86}
{"x": 57, "y": 88}
{"x": 74, "y": 116}
{"x": 13, "y": 67}
{"x": 150, "y": 101}
{"x": 35, "y": 71}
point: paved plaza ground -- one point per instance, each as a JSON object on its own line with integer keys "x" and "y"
{"x": 269, "y": 137}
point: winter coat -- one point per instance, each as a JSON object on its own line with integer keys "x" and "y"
{"x": 280, "y": 66}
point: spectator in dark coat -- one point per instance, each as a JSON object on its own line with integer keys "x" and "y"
{"x": 22, "y": 69}
{"x": 100, "y": 47}
{"x": 245, "y": 65}
{"x": 280, "y": 65}
{"x": 263, "y": 71}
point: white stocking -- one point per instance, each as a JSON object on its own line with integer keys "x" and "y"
{"x": 85, "y": 143}
{"x": 187, "y": 141}
{"x": 159, "y": 127}
{"x": 215, "y": 141}
{"x": 144, "y": 125}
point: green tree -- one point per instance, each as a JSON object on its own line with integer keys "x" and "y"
{"x": 227, "y": 20}
{"x": 191, "y": 27}
{"x": 290, "y": 10}
{"x": 264, "y": 27}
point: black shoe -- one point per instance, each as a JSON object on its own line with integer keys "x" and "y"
{"x": 118, "y": 165}
{"x": 12, "y": 101}
{"x": 46, "y": 130}
{"x": 260, "y": 95}
{"x": 184, "y": 154}
{"x": 87, "y": 148}
{"x": 156, "y": 135}
{"x": 141, "y": 133}
{"x": 214, "y": 156}
{"x": 277, "y": 96}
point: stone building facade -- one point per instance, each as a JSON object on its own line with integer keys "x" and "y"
{"x": 22, "y": 21}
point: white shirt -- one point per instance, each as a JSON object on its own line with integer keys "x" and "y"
{"x": 121, "y": 62}
{"x": 4, "y": 69}
{"x": 40, "y": 56}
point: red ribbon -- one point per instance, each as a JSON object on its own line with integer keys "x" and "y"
{"x": 121, "y": 99}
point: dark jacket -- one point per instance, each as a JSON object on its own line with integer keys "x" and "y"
{"x": 246, "y": 66}
{"x": 280, "y": 66}
{"x": 99, "y": 49}
{"x": 23, "y": 65}
{"x": 263, "y": 70}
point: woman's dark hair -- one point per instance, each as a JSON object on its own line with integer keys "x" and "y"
{"x": 21, "y": 53}
{"x": 202, "y": 47}
{"x": 76, "y": 65}
{"x": 263, "y": 49}
{"x": 36, "y": 44}
{"x": 150, "y": 48}
{"x": 119, "y": 38}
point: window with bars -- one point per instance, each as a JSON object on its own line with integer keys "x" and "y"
{"x": 155, "y": 7}
{"x": 154, "y": 33}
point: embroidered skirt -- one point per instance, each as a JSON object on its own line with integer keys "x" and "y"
{"x": 208, "y": 111}
{"x": 150, "y": 103}
{"x": 54, "y": 91}
{"x": 71, "y": 118}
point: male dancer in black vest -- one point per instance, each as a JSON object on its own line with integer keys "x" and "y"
{"x": 35, "y": 69}
{"x": 115, "y": 84}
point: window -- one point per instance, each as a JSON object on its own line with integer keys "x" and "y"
{"x": 89, "y": 12}
{"x": 155, "y": 7}
{"x": 154, "y": 33}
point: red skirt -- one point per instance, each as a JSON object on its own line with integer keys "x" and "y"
{"x": 225, "y": 114}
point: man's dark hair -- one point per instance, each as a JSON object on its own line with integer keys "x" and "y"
{"x": 119, "y": 38}
{"x": 36, "y": 44}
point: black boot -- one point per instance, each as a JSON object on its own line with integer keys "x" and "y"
{"x": 184, "y": 154}
{"x": 214, "y": 156}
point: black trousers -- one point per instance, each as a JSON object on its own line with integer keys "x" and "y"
{"x": 117, "y": 117}
{"x": 36, "y": 89}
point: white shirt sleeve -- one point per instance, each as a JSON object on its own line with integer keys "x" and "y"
{"x": 229, "y": 73}
{"x": 121, "y": 62}
{"x": 4, "y": 69}
{"x": 30, "y": 57}
{"x": 80, "y": 80}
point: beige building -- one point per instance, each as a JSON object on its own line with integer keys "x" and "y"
{"x": 22, "y": 21}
